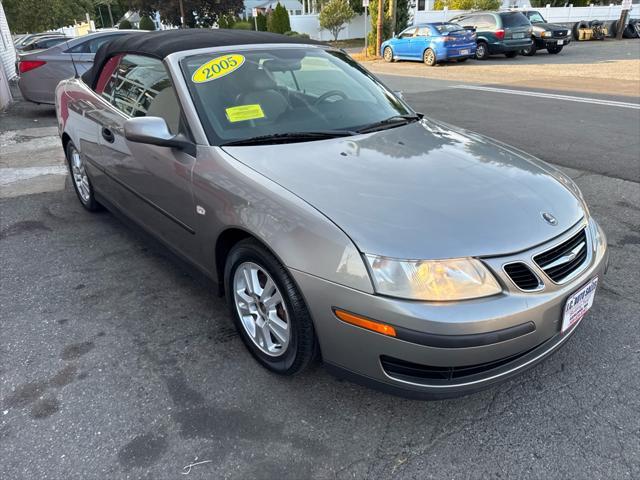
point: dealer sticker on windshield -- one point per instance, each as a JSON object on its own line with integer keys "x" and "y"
{"x": 217, "y": 68}
{"x": 578, "y": 305}
{"x": 244, "y": 112}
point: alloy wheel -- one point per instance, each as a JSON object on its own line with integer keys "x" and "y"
{"x": 388, "y": 54}
{"x": 261, "y": 309}
{"x": 79, "y": 174}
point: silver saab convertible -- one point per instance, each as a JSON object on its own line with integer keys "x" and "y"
{"x": 339, "y": 223}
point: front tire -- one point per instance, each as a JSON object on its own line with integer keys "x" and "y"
{"x": 429, "y": 57}
{"x": 554, "y": 50}
{"x": 80, "y": 179}
{"x": 387, "y": 54}
{"x": 482, "y": 51}
{"x": 530, "y": 51}
{"x": 268, "y": 310}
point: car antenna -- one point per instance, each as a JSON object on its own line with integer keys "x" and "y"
{"x": 75, "y": 69}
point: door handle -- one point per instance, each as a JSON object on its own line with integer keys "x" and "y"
{"x": 108, "y": 135}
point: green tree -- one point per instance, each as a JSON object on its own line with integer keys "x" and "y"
{"x": 467, "y": 4}
{"x": 28, "y": 16}
{"x": 197, "y": 13}
{"x": 125, "y": 25}
{"x": 403, "y": 15}
{"x": 261, "y": 22}
{"x": 356, "y": 6}
{"x": 334, "y": 15}
{"x": 147, "y": 24}
{"x": 278, "y": 20}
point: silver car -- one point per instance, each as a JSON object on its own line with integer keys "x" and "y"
{"x": 41, "y": 71}
{"x": 407, "y": 254}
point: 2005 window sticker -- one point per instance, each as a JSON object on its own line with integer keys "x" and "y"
{"x": 217, "y": 68}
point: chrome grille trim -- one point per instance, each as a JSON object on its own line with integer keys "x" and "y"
{"x": 567, "y": 259}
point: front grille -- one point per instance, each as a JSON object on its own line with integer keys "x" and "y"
{"x": 522, "y": 276}
{"x": 559, "y": 33}
{"x": 416, "y": 372}
{"x": 564, "y": 259}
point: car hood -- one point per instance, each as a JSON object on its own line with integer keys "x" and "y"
{"x": 424, "y": 190}
{"x": 548, "y": 26}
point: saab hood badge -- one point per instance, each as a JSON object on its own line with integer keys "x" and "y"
{"x": 550, "y": 219}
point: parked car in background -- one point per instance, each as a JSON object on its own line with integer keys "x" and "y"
{"x": 40, "y": 71}
{"x": 550, "y": 36}
{"x": 42, "y": 43}
{"x": 498, "y": 32}
{"x": 23, "y": 40}
{"x": 431, "y": 43}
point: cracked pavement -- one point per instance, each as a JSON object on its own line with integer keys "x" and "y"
{"x": 117, "y": 361}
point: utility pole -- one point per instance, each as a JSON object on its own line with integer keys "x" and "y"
{"x": 393, "y": 7}
{"x": 626, "y": 6}
{"x": 181, "y": 15}
{"x": 379, "y": 27}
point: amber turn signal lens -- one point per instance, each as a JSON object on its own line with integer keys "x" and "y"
{"x": 359, "y": 321}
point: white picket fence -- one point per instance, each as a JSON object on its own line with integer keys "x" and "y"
{"x": 568, "y": 14}
{"x": 310, "y": 25}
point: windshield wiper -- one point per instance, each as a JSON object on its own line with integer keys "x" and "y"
{"x": 390, "y": 122}
{"x": 290, "y": 137}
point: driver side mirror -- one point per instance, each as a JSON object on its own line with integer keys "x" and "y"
{"x": 154, "y": 131}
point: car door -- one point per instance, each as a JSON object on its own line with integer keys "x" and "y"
{"x": 402, "y": 44}
{"x": 150, "y": 184}
{"x": 420, "y": 42}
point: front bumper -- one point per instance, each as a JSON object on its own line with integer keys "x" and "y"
{"x": 372, "y": 358}
{"x": 551, "y": 42}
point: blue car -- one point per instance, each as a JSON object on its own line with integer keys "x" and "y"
{"x": 431, "y": 43}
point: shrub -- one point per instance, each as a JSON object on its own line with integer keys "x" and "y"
{"x": 296, "y": 34}
{"x": 334, "y": 15}
{"x": 278, "y": 20}
{"x": 125, "y": 25}
{"x": 147, "y": 24}
{"x": 242, "y": 26}
{"x": 467, "y": 4}
{"x": 261, "y": 22}
{"x": 227, "y": 21}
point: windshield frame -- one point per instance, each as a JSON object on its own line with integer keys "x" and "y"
{"x": 531, "y": 12}
{"x": 178, "y": 61}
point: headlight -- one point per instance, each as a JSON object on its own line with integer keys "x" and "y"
{"x": 433, "y": 280}
{"x": 547, "y": 34}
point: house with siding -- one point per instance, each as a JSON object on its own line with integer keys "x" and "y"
{"x": 7, "y": 59}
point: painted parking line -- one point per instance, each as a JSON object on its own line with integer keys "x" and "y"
{"x": 552, "y": 96}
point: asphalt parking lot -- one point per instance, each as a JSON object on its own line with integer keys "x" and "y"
{"x": 117, "y": 361}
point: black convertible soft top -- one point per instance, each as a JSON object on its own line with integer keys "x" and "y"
{"x": 163, "y": 43}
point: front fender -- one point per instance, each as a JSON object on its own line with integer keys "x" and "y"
{"x": 235, "y": 196}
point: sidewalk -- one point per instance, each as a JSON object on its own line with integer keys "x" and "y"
{"x": 31, "y": 157}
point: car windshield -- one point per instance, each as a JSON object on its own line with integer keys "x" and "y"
{"x": 245, "y": 94}
{"x": 448, "y": 27}
{"x": 514, "y": 19}
{"x": 535, "y": 17}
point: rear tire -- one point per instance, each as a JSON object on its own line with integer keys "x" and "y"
{"x": 283, "y": 338}
{"x": 482, "y": 51}
{"x": 387, "y": 54}
{"x": 80, "y": 179}
{"x": 555, "y": 50}
{"x": 511, "y": 54}
{"x": 429, "y": 57}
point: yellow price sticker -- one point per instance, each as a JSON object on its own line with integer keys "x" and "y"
{"x": 218, "y": 67}
{"x": 244, "y": 112}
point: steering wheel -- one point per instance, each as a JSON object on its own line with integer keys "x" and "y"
{"x": 329, "y": 94}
